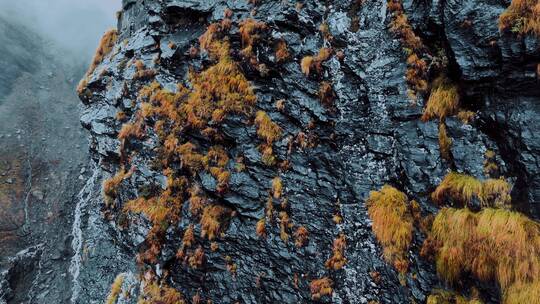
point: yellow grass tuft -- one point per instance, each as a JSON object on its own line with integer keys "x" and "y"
{"x": 337, "y": 260}
{"x": 462, "y": 189}
{"x": 154, "y": 293}
{"x": 266, "y": 128}
{"x": 445, "y": 143}
{"x": 443, "y": 100}
{"x": 390, "y": 212}
{"x": 492, "y": 245}
{"x": 212, "y": 221}
{"x": 116, "y": 288}
{"x": 521, "y": 17}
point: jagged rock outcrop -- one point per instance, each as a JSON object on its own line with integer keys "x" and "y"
{"x": 370, "y": 135}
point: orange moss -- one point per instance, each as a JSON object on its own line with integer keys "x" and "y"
{"x": 110, "y": 186}
{"x": 301, "y": 236}
{"x": 106, "y": 45}
{"x": 154, "y": 293}
{"x": 392, "y": 224}
{"x": 250, "y": 32}
{"x": 284, "y": 226}
{"x": 320, "y": 288}
{"x": 266, "y": 128}
{"x": 116, "y": 288}
{"x": 189, "y": 237}
{"x": 492, "y": 245}
{"x": 212, "y": 221}
{"x": 310, "y": 63}
{"x": 196, "y": 259}
{"x": 521, "y": 17}
{"x": 443, "y": 100}
{"x": 261, "y": 228}
{"x": 326, "y": 94}
{"x": 277, "y": 187}
{"x": 338, "y": 260}
{"x": 282, "y": 51}
{"x": 445, "y": 143}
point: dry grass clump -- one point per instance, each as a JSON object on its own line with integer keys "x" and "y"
{"x": 337, "y": 260}
{"x": 462, "y": 189}
{"x": 285, "y": 225}
{"x": 277, "y": 187}
{"x": 445, "y": 143}
{"x": 320, "y": 288}
{"x": 116, "y": 288}
{"x": 522, "y": 17}
{"x": 129, "y": 130}
{"x": 490, "y": 164}
{"x": 301, "y": 236}
{"x": 443, "y": 100}
{"x": 311, "y": 63}
{"x": 447, "y": 297}
{"x": 154, "y": 293}
{"x": 106, "y": 45}
{"x": 142, "y": 72}
{"x": 520, "y": 293}
{"x": 492, "y": 245}
{"x": 390, "y": 212}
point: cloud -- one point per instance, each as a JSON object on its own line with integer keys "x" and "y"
{"x": 74, "y": 24}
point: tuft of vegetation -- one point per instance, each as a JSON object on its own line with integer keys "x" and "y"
{"x": 110, "y": 186}
{"x": 417, "y": 72}
{"x": 445, "y": 143}
{"x": 393, "y": 222}
{"x": 250, "y": 32}
{"x": 314, "y": 63}
{"x": 337, "y": 260}
{"x": 277, "y": 187}
{"x": 266, "y": 128}
{"x": 493, "y": 245}
{"x": 282, "y": 52}
{"x": 326, "y": 94}
{"x": 490, "y": 164}
{"x": 116, "y": 288}
{"x": 301, "y": 236}
{"x": 154, "y": 293}
{"x": 284, "y": 226}
{"x": 447, "y": 297}
{"x": 521, "y": 17}
{"x": 212, "y": 220}
{"x": 260, "y": 229}
{"x": 320, "y": 288}
{"x": 443, "y": 100}
{"x": 462, "y": 189}
{"x": 106, "y": 45}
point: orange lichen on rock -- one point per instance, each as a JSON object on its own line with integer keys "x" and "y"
{"x": 492, "y": 245}
{"x": 337, "y": 260}
{"x": 390, "y": 212}
{"x": 521, "y": 17}
{"x": 320, "y": 288}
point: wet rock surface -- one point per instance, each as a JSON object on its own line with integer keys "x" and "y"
{"x": 370, "y": 136}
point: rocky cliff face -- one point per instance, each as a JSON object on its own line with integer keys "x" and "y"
{"x": 330, "y": 154}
